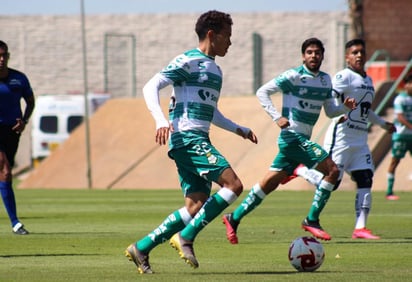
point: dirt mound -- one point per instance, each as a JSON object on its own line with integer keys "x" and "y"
{"x": 125, "y": 156}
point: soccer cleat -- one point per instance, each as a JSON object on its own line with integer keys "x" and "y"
{"x": 364, "y": 233}
{"x": 316, "y": 230}
{"x": 185, "y": 249}
{"x": 140, "y": 259}
{"x": 19, "y": 229}
{"x": 392, "y": 197}
{"x": 231, "y": 228}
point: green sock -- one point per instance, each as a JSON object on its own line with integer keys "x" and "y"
{"x": 391, "y": 180}
{"x": 252, "y": 200}
{"x": 320, "y": 199}
{"x": 212, "y": 208}
{"x": 171, "y": 225}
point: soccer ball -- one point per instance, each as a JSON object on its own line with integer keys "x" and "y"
{"x": 306, "y": 254}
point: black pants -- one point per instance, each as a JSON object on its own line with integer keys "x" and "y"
{"x": 9, "y": 142}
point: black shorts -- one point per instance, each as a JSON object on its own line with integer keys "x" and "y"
{"x": 9, "y": 142}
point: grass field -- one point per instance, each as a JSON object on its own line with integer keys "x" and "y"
{"x": 81, "y": 236}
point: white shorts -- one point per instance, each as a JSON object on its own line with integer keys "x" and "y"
{"x": 351, "y": 158}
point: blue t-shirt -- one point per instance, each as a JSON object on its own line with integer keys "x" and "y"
{"x": 12, "y": 89}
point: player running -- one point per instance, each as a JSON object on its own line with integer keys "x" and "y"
{"x": 305, "y": 90}
{"x": 402, "y": 139}
{"x": 197, "y": 81}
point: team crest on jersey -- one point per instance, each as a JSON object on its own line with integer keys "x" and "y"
{"x": 317, "y": 151}
{"x": 323, "y": 81}
{"x": 360, "y": 114}
{"x": 339, "y": 76}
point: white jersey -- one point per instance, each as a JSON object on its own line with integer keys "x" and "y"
{"x": 351, "y": 129}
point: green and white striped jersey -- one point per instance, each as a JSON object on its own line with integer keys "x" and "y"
{"x": 304, "y": 95}
{"x": 402, "y": 105}
{"x": 197, "y": 81}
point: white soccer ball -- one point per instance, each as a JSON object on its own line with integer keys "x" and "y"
{"x": 306, "y": 254}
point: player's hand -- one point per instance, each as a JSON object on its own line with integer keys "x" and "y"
{"x": 247, "y": 135}
{"x": 350, "y": 103}
{"x": 20, "y": 126}
{"x": 390, "y": 127}
{"x": 283, "y": 122}
{"x": 162, "y": 134}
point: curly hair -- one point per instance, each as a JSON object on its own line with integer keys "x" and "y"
{"x": 212, "y": 20}
{"x": 312, "y": 41}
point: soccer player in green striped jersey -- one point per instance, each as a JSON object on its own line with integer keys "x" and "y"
{"x": 196, "y": 81}
{"x": 402, "y": 138}
{"x": 305, "y": 91}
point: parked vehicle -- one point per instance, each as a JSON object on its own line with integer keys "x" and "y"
{"x": 55, "y": 117}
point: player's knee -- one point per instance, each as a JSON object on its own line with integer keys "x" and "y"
{"x": 5, "y": 175}
{"x": 363, "y": 178}
{"x": 194, "y": 208}
{"x": 237, "y": 187}
{"x": 231, "y": 181}
{"x": 333, "y": 173}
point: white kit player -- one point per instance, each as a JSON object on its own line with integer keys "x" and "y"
{"x": 347, "y": 135}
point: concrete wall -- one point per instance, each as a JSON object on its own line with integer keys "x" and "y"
{"x": 49, "y": 48}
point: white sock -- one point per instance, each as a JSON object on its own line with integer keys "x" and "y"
{"x": 228, "y": 195}
{"x": 311, "y": 175}
{"x": 258, "y": 191}
{"x": 185, "y": 215}
{"x": 363, "y": 205}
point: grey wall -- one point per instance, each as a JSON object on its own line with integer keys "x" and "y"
{"x": 49, "y": 48}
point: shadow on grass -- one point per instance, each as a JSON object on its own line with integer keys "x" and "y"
{"x": 382, "y": 241}
{"x": 280, "y": 272}
{"x": 261, "y": 273}
{"x": 73, "y": 233}
{"x": 48, "y": 255}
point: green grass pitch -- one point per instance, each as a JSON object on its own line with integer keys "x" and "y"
{"x": 80, "y": 235}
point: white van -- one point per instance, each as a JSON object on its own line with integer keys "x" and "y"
{"x": 55, "y": 117}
